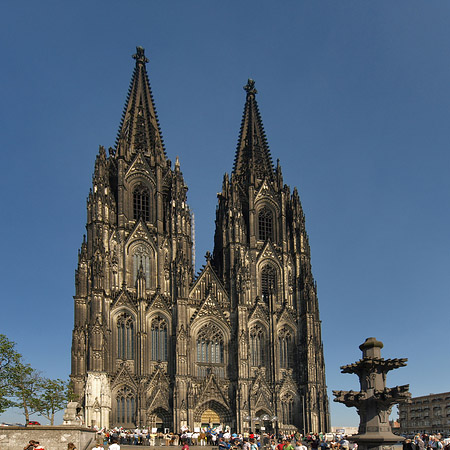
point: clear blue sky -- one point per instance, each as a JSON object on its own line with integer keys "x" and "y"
{"x": 354, "y": 97}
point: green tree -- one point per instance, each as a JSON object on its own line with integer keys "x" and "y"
{"x": 9, "y": 358}
{"x": 52, "y": 398}
{"x": 23, "y": 387}
{"x": 26, "y": 384}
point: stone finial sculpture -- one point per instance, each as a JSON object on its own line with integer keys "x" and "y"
{"x": 73, "y": 414}
{"x": 374, "y": 401}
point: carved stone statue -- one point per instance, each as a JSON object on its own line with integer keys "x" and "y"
{"x": 73, "y": 414}
{"x": 374, "y": 402}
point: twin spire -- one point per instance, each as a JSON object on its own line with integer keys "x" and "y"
{"x": 139, "y": 129}
{"x": 252, "y": 160}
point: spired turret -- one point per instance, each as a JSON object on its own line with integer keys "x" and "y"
{"x": 262, "y": 256}
{"x": 374, "y": 401}
{"x": 134, "y": 265}
{"x": 239, "y": 344}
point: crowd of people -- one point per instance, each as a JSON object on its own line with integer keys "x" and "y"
{"x": 226, "y": 440}
{"x": 35, "y": 445}
{"x": 112, "y": 439}
{"x": 427, "y": 442}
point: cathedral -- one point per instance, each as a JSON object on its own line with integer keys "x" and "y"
{"x": 156, "y": 345}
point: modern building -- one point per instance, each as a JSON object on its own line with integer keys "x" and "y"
{"x": 155, "y": 345}
{"x": 427, "y": 414}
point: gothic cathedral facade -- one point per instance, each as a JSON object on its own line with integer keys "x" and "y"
{"x": 155, "y": 345}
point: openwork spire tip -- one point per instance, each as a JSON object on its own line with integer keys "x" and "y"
{"x": 250, "y": 87}
{"x": 139, "y": 56}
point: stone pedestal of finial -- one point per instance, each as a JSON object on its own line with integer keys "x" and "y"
{"x": 374, "y": 401}
{"x": 73, "y": 414}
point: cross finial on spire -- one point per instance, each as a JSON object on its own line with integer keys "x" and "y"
{"x": 250, "y": 87}
{"x": 139, "y": 56}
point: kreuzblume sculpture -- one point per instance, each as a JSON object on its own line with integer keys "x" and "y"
{"x": 374, "y": 401}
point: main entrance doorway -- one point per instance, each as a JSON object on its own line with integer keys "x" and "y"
{"x": 264, "y": 423}
{"x": 210, "y": 419}
{"x": 212, "y": 414}
{"x": 159, "y": 419}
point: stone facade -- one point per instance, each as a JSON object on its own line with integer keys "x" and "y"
{"x": 154, "y": 345}
{"x": 427, "y": 414}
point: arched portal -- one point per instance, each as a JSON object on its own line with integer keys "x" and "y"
{"x": 215, "y": 411}
{"x": 264, "y": 422}
{"x": 159, "y": 418}
{"x": 210, "y": 418}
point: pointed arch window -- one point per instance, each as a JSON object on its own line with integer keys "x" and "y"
{"x": 159, "y": 339}
{"x": 125, "y": 336}
{"x": 285, "y": 342}
{"x": 141, "y": 203}
{"x": 257, "y": 343}
{"x": 268, "y": 281}
{"x": 210, "y": 345}
{"x": 141, "y": 257}
{"x": 287, "y": 404}
{"x": 265, "y": 224}
{"x": 126, "y": 406}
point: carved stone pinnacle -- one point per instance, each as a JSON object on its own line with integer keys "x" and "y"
{"x": 250, "y": 87}
{"x": 139, "y": 56}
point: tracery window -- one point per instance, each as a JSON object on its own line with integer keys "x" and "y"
{"x": 268, "y": 281}
{"x": 126, "y": 406}
{"x": 265, "y": 224}
{"x": 285, "y": 348}
{"x": 257, "y": 346}
{"x": 141, "y": 203}
{"x": 141, "y": 256}
{"x": 287, "y": 404}
{"x": 210, "y": 344}
{"x": 125, "y": 336}
{"x": 159, "y": 339}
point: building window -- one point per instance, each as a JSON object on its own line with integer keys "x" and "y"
{"x": 268, "y": 282}
{"x": 141, "y": 203}
{"x": 210, "y": 345}
{"x": 141, "y": 257}
{"x": 265, "y": 224}
{"x": 159, "y": 339}
{"x": 202, "y": 371}
{"x": 256, "y": 346}
{"x": 285, "y": 348}
{"x": 125, "y": 336}
{"x": 287, "y": 408}
{"x": 126, "y": 406}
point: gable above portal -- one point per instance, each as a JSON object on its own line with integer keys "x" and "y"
{"x": 123, "y": 300}
{"x": 140, "y": 233}
{"x": 266, "y": 191}
{"x": 208, "y": 283}
{"x": 139, "y": 168}
{"x": 269, "y": 252}
{"x": 210, "y": 307}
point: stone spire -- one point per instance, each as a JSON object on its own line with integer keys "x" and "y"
{"x": 139, "y": 128}
{"x": 253, "y": 161}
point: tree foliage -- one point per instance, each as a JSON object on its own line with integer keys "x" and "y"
{"x": 9, "y": 358}
{"x": 23, "y": 387}
{"x": 53, "y": 398}
{"x": 26, "y": 384}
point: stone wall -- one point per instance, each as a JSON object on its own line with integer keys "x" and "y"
{"x": 50, "y": 437}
